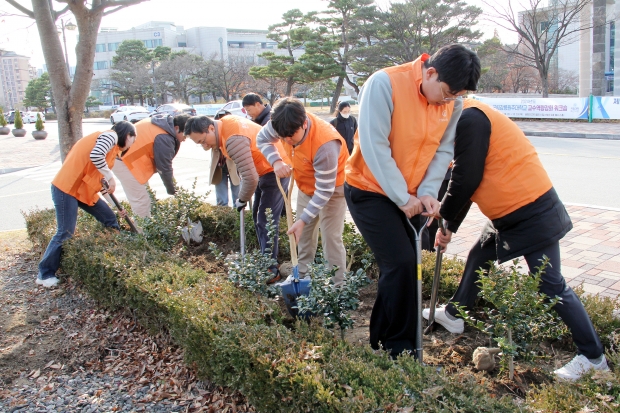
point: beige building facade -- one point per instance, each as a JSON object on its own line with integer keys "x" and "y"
{"x": 15, "y": 73}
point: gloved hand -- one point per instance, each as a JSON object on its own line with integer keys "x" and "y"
{"x": 239, "y": 204}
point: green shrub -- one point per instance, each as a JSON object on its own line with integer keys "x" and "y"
{"x": 39, "y": 123}
{"x": 518, "y": 316}
{"x": 3, "y": 121}
{"x": 451, "y": 272}
{"x": 236, "y": 338}
{"x": 331, "y": 302}
{"x": 51, "y": 116}
{"x": 19, "y": 123}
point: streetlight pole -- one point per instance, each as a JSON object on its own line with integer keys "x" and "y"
{"x": 69, "y": 26}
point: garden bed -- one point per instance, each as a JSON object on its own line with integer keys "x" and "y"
{"x": 247, "y": 342}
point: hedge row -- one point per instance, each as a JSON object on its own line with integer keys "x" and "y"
{"x": 237, "y": 339}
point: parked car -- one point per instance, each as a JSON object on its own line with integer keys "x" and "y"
{"x": 174, "y": 109}
{"x": 234, "y": 107}
{"x": 10, "y": 116}
{"x": 130, "y": 113}
{"x": 31, "y": 117}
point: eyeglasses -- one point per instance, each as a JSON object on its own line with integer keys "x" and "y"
{"x": 449, "y": 99}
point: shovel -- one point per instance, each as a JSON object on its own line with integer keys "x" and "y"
{"x": 435, "y": 290}
{"x": 132, "y": 226}
{"x": 292, "y": 287}
{"x": 418, "y": 253}
{"x": 242, "y": 233}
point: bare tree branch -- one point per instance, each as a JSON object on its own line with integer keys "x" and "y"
{"x": 116, "y": 4}
{"x": 21, "y": 8}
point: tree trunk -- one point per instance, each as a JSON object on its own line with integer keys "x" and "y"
{"x": 69, "y": 98}
{"x": 289, "y": 86}
{"x": 545, "y": 86}
{"x": 332, "y": 108}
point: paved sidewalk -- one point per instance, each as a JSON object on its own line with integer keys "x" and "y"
{"x": 582, "y": 130}
{"x": 590, "y": 252}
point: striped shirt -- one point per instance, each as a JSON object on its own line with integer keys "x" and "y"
{"x": 325, "y": 165}
{"x": 105, "y": 142}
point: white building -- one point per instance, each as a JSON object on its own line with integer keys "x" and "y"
{"x": 204, "y": 41}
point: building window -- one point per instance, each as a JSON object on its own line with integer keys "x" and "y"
{"x": 113, "y": 46}
{"x": 100, "y": 48}
{"x": 182, "y": 44}
{"x": 100, "y": 65}
{"x": 151, "y": 44}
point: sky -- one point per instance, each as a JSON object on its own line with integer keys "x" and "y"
{"x": 19, "y": 34}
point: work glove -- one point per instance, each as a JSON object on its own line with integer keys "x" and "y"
{"x": 239, "y": 204}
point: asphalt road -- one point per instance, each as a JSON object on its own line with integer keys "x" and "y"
{"x": 582, "y": 170}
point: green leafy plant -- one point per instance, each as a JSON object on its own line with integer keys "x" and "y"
{"x": 163, "y": 227}
{"x": 39, "y": 123}
{"x": 358, "y": 252}
{"x": 603, "y": 312}
{"x": 518, "y": 316}
{"x": 3, "y": 121}
{"x": 332, "y": 302}
{"x": 251, "y": 272}
{"x": 19, "y": 123}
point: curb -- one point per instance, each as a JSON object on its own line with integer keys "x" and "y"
{"x": 21, "y": 168}
{"x": 571, "y": 135}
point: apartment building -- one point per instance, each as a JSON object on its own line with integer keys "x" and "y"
{"x": 15, "y": 73}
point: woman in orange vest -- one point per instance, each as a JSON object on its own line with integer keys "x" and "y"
{"x": 318, "y": 153}
{"x": 77, "y": 184}
{"x": 497, "y": 167}
{"x": 236, "y": 139}
{"x": 403, "y": 146}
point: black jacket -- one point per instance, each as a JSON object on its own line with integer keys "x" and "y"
{"x": 346, "y": 128}
{"x": 165, "y": 148}
{"x": 529, "y": 228}
{"x": 264, "y": 116}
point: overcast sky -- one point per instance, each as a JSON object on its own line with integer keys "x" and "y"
{"x": 19, "y": 34}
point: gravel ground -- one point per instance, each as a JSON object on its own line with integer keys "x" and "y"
{"x": 59, "y": 352}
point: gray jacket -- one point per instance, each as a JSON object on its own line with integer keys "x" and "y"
{"x": 165, "y": 148}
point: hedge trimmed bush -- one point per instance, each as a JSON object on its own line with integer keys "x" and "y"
{"x": 241, "y": 340}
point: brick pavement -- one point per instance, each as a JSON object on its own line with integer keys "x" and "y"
{"x": 590, "y": 252}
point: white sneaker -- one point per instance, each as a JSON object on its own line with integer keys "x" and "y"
{"x": 454, "y": 326}
{"x": 579, "y": 365}
{"x": 48, "y": 282}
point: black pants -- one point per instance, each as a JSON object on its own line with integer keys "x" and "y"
{"x": 268, "y": 195}
{"x": 552, "y": 283}
{"x": 384, "y": 227}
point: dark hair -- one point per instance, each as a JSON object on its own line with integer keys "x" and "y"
{"x": 343, "y": 105}
{"x": 197, "y": 124}
{"x": 220, "y": 114}
{"x": 288, "y": 116}
{"x": 457, "y": 66}
{"x": 123, "y": 129}
{"x": 251, "y": 99}
{"x": 180, "y": 121}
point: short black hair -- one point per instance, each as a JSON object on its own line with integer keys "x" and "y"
{"x": 288, "y": 116}
{"x": 251, "y": 99}
{"x": 457, "y": 66}
{"x": 180, "y": 121}
{"x": 123, "y": 129}
{"x": 197, "y": 124}
{"x": 220, "y": 114}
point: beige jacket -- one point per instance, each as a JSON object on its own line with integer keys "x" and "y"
{"x": 215, "y": 173}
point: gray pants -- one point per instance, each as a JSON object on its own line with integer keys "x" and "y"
{"x": 331, "y": 223}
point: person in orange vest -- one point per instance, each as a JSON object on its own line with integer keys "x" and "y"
{"x": 77, "y": 184}
{"x": 498, "y": 168}
{"x": 318, "y": 153}
{"x": 236, "y": 139}
{"x": 402, "y": 149}
{"x": 158, "y": 141}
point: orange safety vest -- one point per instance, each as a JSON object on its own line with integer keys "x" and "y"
{"x": 513, "y": 174}
{"x": 140, "y": 158}
{"x": 303, "y": 155}
{"x": 238, "y": 126}
{"x": 416, "y": 132}
{"x": 78, "y": 176}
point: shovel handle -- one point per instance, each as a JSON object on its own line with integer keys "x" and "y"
{"x": 289, "y": 218}
{"x": 106, "y": 186}
{"x": 436, "y": 278}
